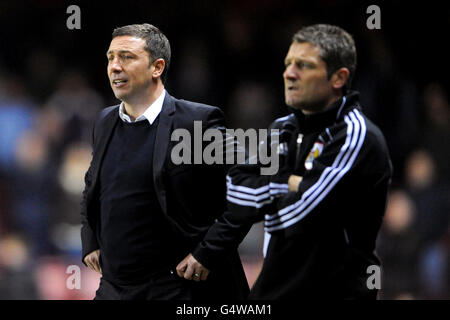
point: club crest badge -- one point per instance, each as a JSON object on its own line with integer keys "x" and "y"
{"x": 315, "y": 152}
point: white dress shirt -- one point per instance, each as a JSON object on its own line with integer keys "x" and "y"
{"x": 149, "y": 114}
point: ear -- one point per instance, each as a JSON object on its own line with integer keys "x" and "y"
{"x": 158, "y": 68}
{"x": 339, "y": 78}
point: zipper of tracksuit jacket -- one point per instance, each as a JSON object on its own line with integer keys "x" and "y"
{"x": 297, "y": 157}
{"x": 299, "y": 143}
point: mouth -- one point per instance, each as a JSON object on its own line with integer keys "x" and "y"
{"x": 118, "y": 83}
{"x": 291, "y": 85}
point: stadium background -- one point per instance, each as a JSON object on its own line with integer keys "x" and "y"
{"x": 230, "y": 54}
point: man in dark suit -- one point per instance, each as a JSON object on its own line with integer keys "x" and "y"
{"x": 146, "y": 221}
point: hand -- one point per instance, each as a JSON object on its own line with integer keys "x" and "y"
{"x": 293, "y": 182}
{"x": 93, "y": 262}
{"x": 191, "y": 269}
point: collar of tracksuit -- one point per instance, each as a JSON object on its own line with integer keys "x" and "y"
{"x": 313, "y": 122}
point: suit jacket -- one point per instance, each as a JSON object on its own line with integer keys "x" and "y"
{"x": 192, "y": 196}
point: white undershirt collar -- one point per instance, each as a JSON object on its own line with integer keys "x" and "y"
{"x": 149, "y": 114}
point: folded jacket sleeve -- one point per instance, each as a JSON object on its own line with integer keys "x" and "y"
{"x": 339, "y": 158}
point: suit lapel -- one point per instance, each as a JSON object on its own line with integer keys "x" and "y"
{"x": 105, "y": 130}
{"x": 160, "y": 149}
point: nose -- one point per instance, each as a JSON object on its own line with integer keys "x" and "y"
{"x": 289, "y": 73}
{"x": 115, "y": 66}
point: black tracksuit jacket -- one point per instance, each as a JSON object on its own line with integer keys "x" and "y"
{"x": 321, "y": 238}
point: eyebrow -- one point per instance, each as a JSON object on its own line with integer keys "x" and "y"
{"x": 120, "y": 51}
{"x": 296, "y": 59}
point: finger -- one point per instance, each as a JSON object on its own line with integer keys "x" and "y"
{"x": 97, "y": 267}
{"x": 98, "y": 261}
{"x": 87, "y": 261}
{"x": 188, "y": 273}
{"x": 93, "y": 265}
{"x": 181, "y": 268}
{"x": 197, "y": 276}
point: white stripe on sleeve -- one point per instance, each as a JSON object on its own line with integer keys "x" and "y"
{"x": 356, "y": 131}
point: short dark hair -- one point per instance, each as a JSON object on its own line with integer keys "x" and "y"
{"x": 156, "y": 43}
{"x": 336, "y": 47}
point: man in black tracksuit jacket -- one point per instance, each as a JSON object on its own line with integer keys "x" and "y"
{"x": 324, "y": 207}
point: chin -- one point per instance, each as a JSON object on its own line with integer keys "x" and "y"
{"x": 119, "y": 96}
{"x": 293, "y": 104}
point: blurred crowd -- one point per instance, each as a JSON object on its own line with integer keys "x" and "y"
{"x": 47, "y": 110}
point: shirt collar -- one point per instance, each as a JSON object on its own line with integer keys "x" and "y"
{"x": 149, "y": 114}
{"x": 317, "y": 121}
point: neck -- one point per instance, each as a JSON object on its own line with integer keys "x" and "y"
{"x": 325, "y": 105}
{"x": 136, "y": 107}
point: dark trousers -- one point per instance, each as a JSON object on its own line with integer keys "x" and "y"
{"x": 165, "y": 286}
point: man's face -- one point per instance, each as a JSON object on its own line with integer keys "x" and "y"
{"x": 306, "y": 85}
{"x": 129, "y": 69}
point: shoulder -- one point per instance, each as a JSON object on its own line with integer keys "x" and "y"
{"x": 355, "y": 130}
{"x": 195, "y": 108}
{"x": 366, "y": 136}
{"x": 186, "y": 112}
{"x": 107, "y": 112}
{"x": 280, "y": 122}
{"x": 373, "y": 136}
{"x": 355, "y": 123}
{"x": 375, "y": 139}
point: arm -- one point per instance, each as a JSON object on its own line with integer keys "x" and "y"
{"x": 339, "y": 157}
{"x": 226, "y": 232}
{"x": 232, "y": 226}
{"x": 88, "y": 239}
{"x": 251, "y": 194}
